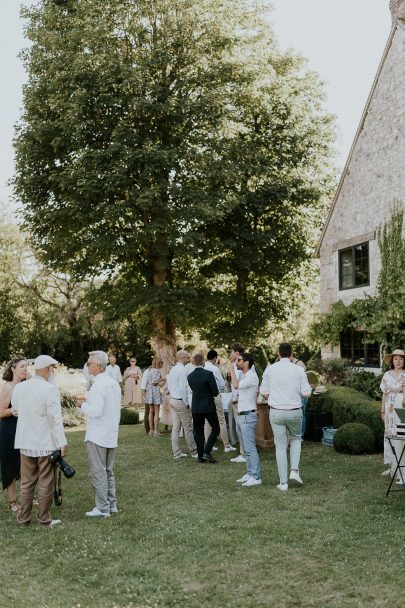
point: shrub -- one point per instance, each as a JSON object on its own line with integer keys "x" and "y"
{"x": 67, "y": 400}
{"x": 365, "y": 382}
{"x": 129, "y": 415}
{"x": 333, "y": 371}
{"x": 354, "y": 438}
{"x": 348, "y": 405}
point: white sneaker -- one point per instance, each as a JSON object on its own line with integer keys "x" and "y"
{"x": 181, "y": 455}
{"x": 214, "y": 449}
{"x": 97, "y": 513}
{"x": 54, "y": 522}
{"x": 239, "y": 458}
{"x": 252, "y": 482}
{"x": 399, "y": 482}
{"x": 283, "y": 487}
{"x": 386, "y": 473}
{"x": 194, "y": 455}
{"x": 229, "y": 448}
{"x": 243, "y": 479}
{"x": 114, "y": 510}
{"x": 295, "y": 476}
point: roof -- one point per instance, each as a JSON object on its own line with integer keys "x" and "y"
{"x": 396, "y": 25}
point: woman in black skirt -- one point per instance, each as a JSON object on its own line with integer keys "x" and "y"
{"x": 15, "y": 372}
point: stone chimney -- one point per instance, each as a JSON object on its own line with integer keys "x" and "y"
{"x": 397, "y": 8}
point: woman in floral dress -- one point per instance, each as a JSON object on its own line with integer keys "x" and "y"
{"x": 153, "y": 395}
{"x": 392, "y": 386}
{"x": 132, "y": 384}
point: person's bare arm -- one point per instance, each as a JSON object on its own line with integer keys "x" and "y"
{"x": 5, "y": 398}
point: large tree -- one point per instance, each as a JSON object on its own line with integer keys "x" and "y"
{"x": 169, "y": 145}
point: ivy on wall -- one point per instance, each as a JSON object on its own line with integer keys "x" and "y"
{"x": 381, "y": 316}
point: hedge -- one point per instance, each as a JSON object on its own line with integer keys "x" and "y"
{"x": 348, "y": 405}
{"x": 129, "y": 415}
{"x": 354, "y": 438}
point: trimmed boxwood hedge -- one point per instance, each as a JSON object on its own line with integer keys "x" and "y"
{"x": 348, "y": 405}
{"x": 129, "y": 415}
{"x": 354, "y": 438}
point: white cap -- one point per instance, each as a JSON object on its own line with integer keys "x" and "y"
{"x": 43, "y": 361}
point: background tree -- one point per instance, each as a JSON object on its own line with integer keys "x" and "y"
{"x": 169, "y": 145}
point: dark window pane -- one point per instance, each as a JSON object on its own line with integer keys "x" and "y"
{"x": 373, "y": 354}
{"x": 361, "y": 266}
{"x": 359, "y": 350}
{"x": 346, "y": 269}
{"x": 346, "y": 345}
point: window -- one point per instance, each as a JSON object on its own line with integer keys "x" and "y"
{"x": 355, "y": 347}
{"x": 354, "y": 267}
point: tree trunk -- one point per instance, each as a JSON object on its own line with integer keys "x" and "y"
{"x": 163, "y": 342}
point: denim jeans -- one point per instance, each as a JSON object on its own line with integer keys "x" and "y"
{"x": 281, "y": 422}
{"x": 248, "y": 425}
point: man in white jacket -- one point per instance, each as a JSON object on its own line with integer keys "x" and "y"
{"x": 103, "y": 410}
{"x": 39, "y": 432}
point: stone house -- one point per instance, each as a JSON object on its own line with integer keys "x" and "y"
{"x": 372, "y": 179}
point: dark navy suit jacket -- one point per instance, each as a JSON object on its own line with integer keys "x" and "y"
{"x": 203, "y": 384}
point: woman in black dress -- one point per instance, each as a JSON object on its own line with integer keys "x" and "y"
{"x": 15, "y": 372}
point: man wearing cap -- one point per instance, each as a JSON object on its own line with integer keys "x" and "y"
{"x": 39, "y": 432}
{"x": 103, "y": 411}
{"x": 181, "y": 413}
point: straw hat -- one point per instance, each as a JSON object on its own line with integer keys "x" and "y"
{"x": 397, "y": 351}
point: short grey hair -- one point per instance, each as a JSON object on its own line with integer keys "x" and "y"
{"x": 99, "y": 357}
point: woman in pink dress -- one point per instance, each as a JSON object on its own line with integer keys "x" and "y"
{"x": 132, "y": 384}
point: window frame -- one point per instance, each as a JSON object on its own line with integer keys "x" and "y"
{"x": 353, "y": 249}
{"x": 366, "y": 346}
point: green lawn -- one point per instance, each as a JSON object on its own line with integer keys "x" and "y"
{"x": 187, "y": 535}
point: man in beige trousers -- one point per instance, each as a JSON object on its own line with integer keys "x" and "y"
{"x": 39, "y": 432}
{"x": 181, "y": 413}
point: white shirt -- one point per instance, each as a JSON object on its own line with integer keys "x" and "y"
{"x": 238, "y": 374}
{"x": 144, "y": 380}
{"x": 36, "y": 402}
{"x": 189, "y": 367}
{"x": 177, "y": 383}
{"x": 248, "y": 389}
{"x": 114, "y": 372}
{"x": 103, "y": 411}
{"x": 217, "y": 374}
{"x": 285, "y": 383}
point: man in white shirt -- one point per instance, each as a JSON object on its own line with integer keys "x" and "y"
{"x": 285, "y": 383}
{"x": 103, "y": 411}
{"x": 248, "y": 388}
{"x": 113, "y": 369}
{"x": 211, "y": 366}
{"x": 181, "y": 413}
{"x": 236, "y": 350}
{"x": 39, "y": 432}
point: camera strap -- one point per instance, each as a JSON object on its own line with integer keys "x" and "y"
{"x": 57, "y": 494}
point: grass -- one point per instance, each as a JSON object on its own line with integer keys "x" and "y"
{"x": 188, "y": 536}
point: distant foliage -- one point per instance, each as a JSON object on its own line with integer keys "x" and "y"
{"x": 129, "y": 415}
{"x": 365, "y": 382}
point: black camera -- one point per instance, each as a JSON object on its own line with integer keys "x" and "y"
{"x": 66, "y": 469}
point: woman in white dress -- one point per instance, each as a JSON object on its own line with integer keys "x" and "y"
{"x": 392, "y": 386}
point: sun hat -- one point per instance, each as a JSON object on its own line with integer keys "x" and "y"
{"x": 43, "y": 361}
{"x": 397, "y": 351}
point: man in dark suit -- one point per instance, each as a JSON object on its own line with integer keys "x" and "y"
{"x": 203, "y": 384}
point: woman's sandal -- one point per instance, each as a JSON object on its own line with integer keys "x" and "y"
{"x": 14, "y": 507}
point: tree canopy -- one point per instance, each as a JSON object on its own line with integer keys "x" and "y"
{"x": 169, "y": 146}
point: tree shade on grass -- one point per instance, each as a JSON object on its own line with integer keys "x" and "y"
{"x": 187, "y": 535}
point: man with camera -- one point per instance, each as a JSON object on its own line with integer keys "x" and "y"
{"x": 39, "y": 433}
{"x": 103, "y": 411}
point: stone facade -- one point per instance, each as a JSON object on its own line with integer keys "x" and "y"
{"x": 374, "y": 175}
